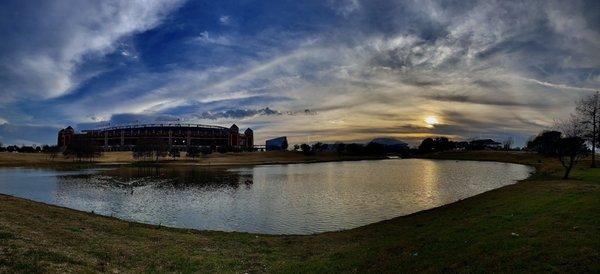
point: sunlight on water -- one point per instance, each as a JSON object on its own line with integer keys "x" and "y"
{"x": 277, "y": 199}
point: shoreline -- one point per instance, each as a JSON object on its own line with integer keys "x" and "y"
{"x": 413, "y": 231}
{"x": 227, "y": 159}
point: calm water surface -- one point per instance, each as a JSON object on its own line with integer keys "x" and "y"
{"x": 274, "y": 199}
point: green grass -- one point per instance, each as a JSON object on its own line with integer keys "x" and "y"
{"x": 543, "y": 224}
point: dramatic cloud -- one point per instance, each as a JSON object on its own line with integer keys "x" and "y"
{"x": 46, "y": 43}
{"x": 368, "y": 68}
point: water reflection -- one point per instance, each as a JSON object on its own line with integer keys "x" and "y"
{"x": 288, "y": 199}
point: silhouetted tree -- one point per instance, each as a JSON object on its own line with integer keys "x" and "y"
{"x": 150, "y": 148}
{"x": 507, "y": 144}
{"x": 319, "y": 147}
{"x": 193, "y": 152}
{"x": 82, "y": 149}
{"x": 442, "y": 144}
{"x": 545, "y": 143}
{"x": 143, "y": 149}
{"x": 570, "y": 150}
{"x": 174, "y": 153}
{"x": 340, "y": 148}
{"x": 374, "y": 149}
{"x": 355, "y": 149}
{"x": 305, "y": 149}
{"x": 50, "y": 151}
{"x": 27, "y": 149}
{"x": 426, "y": 145}
{"x": 588, "y": 113}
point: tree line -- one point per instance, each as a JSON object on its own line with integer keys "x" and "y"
{"x": 155, "y": 149}
{"x": 439, "y": 144}
{"x": 352, "y": 149}
{"x": 26, "y": 149}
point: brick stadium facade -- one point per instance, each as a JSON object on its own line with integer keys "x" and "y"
{"x": 173, "y": 135}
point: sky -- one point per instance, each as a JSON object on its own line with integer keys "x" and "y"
{"x": 310, "y": 70}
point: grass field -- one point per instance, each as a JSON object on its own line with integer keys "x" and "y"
{"x": 540, "y": 224}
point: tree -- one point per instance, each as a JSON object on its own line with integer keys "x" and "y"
{"x": 82, "y": 149}
{"x": 442, "y": 144}
{"x": 174, "y": 153}
{"x": 143, "y": 149}
{"x": 374, "y": 149}
{"x": 545, "y": 143}
{"x": 507, "y": 144}
{"x": 340, "y": 148}
{"x": 160, "y": 150}
{"x": 426, "y": 145}
{"x": 305, "y": 148}
{"x": 51, "y": 151}
{"x": 570, "y": 150}
{"x": 319, "y": 146}
{"x": 150, "y": 148}
{"x": 588, "y": 112}
{"x": 355, "y": 149}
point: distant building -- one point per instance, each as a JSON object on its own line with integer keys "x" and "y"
{"x": 485, "y": 144}
{"x": 391, "y": 145}
{"x": 65, "y": 136}
{"x": 279, "y": 143}
{"x": 172, "y": 135}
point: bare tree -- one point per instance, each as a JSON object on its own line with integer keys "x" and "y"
{"x": 570, "y": 151}
{"x": 571, "y": 148}
{"x": 571, "y": 127}
{"x": 588, "y": 111}
{"x": 507, "y": 144}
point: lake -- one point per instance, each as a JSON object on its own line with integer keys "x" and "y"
{"x": 271, "y": 199}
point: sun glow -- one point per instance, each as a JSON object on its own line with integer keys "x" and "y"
{"x": 431, "y": 121}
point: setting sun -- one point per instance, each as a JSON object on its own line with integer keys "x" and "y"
{"x": 431, "y": 120}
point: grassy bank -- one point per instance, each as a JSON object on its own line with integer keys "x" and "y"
{"x": 8, "y": 159}
{"x": 540, "y": 224}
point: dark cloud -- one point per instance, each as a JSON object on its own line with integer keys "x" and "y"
{"x": 129, "y": 118}
{"x": 494, "y": 101}
{"x": 237, "y": 114}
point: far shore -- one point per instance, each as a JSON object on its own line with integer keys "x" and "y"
{"x": 8, "y": 159}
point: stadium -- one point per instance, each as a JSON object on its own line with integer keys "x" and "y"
{"x": 172, "y": 135}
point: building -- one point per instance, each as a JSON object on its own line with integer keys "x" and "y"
{"x": 65, "y": 136}
{"x": 279, "y": 143}
{"x": 485, "y": 144}
{"x": 173, "y": 135}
